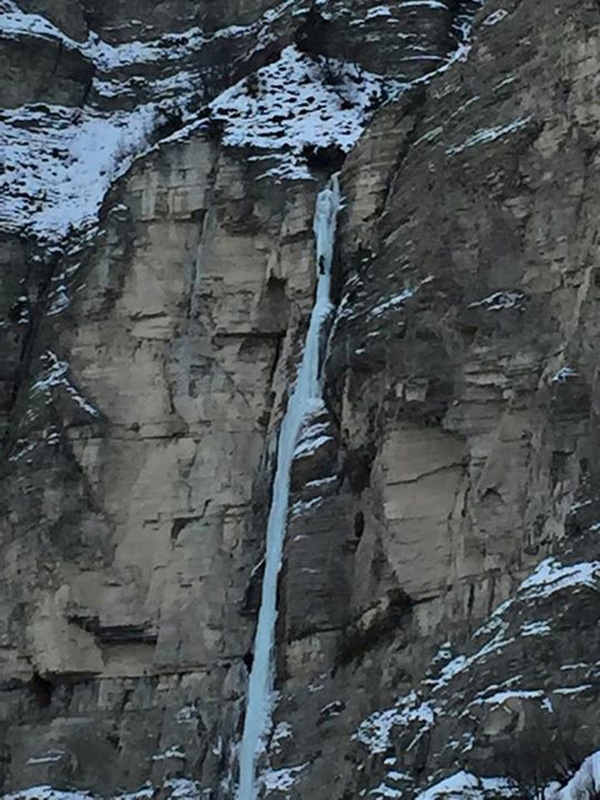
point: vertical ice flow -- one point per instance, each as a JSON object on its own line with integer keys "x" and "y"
{"x": 305, "y": 395}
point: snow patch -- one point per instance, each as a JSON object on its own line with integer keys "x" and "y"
{"x": 281, "y": 780}
{"x": 173, "y": 47}
{"x": 296, "y": 102}
{"x": 563, "y": 375}
{"x": 495, "y": 17}
{"x": 283, "y": 730}
{"x": 465, "y": 786}
{"x": 385, "y": 791}
{"x": 537, "y": 628}
{"x": 311, "y": 445}
{"x": 551, "y": 576}
{"x": 47, "y": 758}
{"x": 462, "y": 663}
{"x": 60, "y": 162}
{"x": 485, "y": 135}
{"x": 375, "y": 731}
{"x": 393, "y": 302}
{"x": 498, "y": 698}
{"x": 302, "y": 506}
{"x": 179, "y": 789}
{"x": 499, "y": 301}
{"x": 399, "y": 299}
{"x": 20, "y": 449}
{"x": 188, "y": 715}
{"x": 173, "y": 752}
{"x": 55, "y": 374}
{"x": 378, "y": 11}
{"x": 567, "y": 690}
{"x": 584, "y": 783}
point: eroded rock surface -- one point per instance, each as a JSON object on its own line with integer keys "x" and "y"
{"x": 438, "y": 611}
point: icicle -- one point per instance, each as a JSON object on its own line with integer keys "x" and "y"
{"x": 305, "y": 396}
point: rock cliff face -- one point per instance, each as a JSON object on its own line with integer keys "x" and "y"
{"x": 439, "y": 594}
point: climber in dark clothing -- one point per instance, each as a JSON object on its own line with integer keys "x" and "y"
{"x": 321, "y": 264}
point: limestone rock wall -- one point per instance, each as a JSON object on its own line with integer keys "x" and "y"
{"x": 439, "y": 593}
{"x": 151, "y": 401}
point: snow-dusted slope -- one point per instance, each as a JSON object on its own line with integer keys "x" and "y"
{"x": 583, "y": 785}
{"x": 60, "y": 161}
{"x": 299, "y": 102}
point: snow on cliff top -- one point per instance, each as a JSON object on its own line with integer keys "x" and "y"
{"x": 299, "y": 101}
{"x": 59, "y": 162}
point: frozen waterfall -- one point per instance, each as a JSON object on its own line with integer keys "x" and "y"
{"x": 305, "y": 395}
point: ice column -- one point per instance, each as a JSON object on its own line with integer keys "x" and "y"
{"x": 305, "y": 396}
